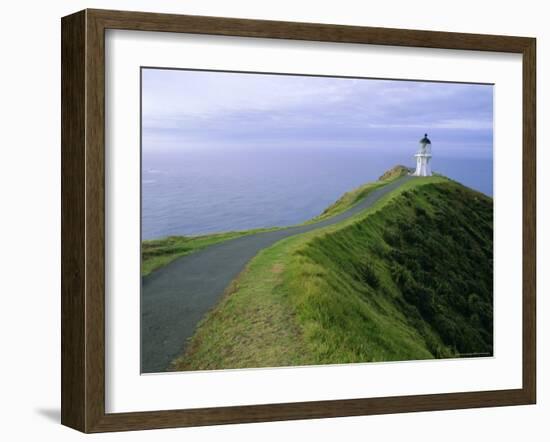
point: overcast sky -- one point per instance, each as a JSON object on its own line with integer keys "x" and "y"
{"x": 204, "y": 110}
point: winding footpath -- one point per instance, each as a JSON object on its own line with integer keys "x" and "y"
{"x": 176, "y": 297}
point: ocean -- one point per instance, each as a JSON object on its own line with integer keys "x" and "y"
{"x": 207, "y": 191}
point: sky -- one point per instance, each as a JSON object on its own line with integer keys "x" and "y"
{"x": 184, "y": 109}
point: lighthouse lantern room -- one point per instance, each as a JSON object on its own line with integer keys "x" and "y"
{"x": 423, "y": 157}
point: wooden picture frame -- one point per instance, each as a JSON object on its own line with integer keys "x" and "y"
{"x": 83, "y": 220}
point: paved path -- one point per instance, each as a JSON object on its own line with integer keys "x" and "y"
{"x": 176, "y": 297}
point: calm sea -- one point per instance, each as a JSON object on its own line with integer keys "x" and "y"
{"x": 198, "y": 192}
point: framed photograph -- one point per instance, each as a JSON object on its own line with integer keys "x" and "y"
{"x": 270, "y": 220}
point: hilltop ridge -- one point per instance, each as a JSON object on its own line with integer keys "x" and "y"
{"x": 409, "y": 278}
{"x": 395, "y": 172}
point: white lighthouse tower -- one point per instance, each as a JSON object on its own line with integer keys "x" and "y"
{"x": 423, "y": 157}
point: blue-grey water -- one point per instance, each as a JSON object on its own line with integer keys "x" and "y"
{"x": 207, "y": 191}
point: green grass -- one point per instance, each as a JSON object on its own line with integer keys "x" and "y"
{"x": 252, "y": 325}
{"x": 412, "y": 281}
{"x": 371, "y": 288}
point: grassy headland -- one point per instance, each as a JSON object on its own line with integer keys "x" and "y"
{"x": 409, "y": 278}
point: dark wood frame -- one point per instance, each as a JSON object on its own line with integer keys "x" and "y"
{"x": 83, "y": 218}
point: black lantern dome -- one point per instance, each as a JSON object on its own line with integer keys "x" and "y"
{"x": 425, "y": 140}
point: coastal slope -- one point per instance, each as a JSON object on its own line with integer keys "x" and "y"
{"x": 409, "y": 277}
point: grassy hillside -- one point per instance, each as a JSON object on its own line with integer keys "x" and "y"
{"x": 410, "y": 278}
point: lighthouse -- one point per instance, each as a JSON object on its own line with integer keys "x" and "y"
{"x": 423, "y": 157}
